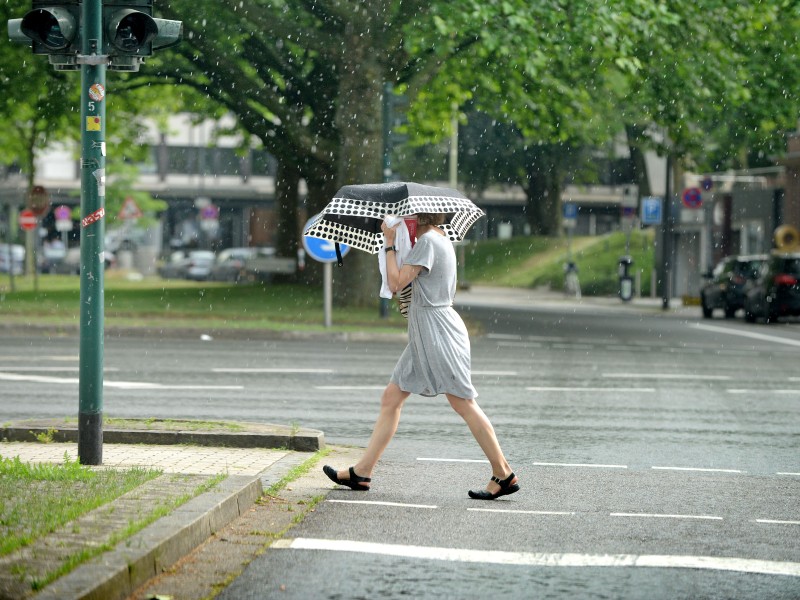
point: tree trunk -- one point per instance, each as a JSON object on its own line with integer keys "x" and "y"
{"x": 635, "y": 136}
{"x": 287, "y": 181}
{"x": 358, "y": 118}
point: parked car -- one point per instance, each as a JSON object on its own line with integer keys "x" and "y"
{"x": 195, "y": 264}
{"x": 728, "y": 279}
{"x": 12, "y": 258}
{"x": 231, "y": 263}
{"x": 51, "y": 254}
{"x": 200, "y": 263}
{"x": 71, "y": 263}
{"x": 776, "y": 291}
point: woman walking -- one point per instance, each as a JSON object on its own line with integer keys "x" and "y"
{"x": 436, "y": 360}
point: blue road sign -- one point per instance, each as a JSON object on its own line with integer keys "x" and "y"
{"x": 651, "y": 211}
{"x": 570, "y": 210}
{"x": 322, "y": 250}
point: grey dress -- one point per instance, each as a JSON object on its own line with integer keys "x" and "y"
{"x": 437, "y": 358}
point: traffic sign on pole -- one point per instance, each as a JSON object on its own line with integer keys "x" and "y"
{"x": 27, "y": 220}
{"x": 692, "y": 197}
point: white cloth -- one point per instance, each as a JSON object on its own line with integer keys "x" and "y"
{"x": 402, "y": 242}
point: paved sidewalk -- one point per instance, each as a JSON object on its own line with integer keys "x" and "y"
{"x": 117, "y": 573}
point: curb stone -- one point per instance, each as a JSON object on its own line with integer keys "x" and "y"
{"x": 117, "y": 573}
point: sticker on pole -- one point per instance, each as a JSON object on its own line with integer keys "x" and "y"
{"x": 94, "y": 217}
{"x": 97, "y": 92}
{"x": 93, "y": 124}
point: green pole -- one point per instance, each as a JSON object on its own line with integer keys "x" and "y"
{"x": 93, "y": 178}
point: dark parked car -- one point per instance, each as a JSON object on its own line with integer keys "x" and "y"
{"x": 728, "y": 280}
{"x": 776, "y": 292}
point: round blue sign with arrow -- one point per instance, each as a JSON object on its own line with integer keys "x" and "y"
{"x": 322, "y": 250}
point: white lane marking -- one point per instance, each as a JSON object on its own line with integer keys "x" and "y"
{"x": 522, "y": 512}
{"x": 594, "y": 466}
{"x": 541, "y": 559}
{"x": 762, "y": 392}
{"x": 665, "y": 516}
{"x": 504, "y": 336}
{"x": 39, "y": 358}
{"x": 127, "y": 385}
{"x": 519, "y": 344}
{"x": 465, "y": 460}
{"x": 748, "y": 334}
{"x": 666, "y": 376}
{"x": 777, "y": 522}
{"x": 794, "y": 378}
{"x": 704, "y": 470}
{"x": 376, "y": 503}
{"x": 49, "y": 369}
{"x": 787, "y": 473}
{"x": 269, "y": 370}
{"x": 589, "y": 389}
{"x": 349, "y": 387}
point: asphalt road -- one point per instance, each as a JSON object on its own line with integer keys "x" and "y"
{"x": 667, "y": 442}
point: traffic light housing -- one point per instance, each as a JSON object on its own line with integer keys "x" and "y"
{"x": 52, "y": 28}
{"x": 131, "y": 33}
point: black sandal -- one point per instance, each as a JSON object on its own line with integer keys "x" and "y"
{"x": 354, "y": 483}
{"x": 507, "y": 486}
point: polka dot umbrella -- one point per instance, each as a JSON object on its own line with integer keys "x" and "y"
{"x": 354, "y": 215}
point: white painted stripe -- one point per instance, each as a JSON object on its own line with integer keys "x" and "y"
{"x": 349, "y": 387}
{"x": 540, "y": 559}
{"x": 464, "y": 460}
{"x": 521, "y": 512}
{"x": 664, "y": 516}
{"x": 593, "y": 466}
{"x": 504, "y": 336}
{"x": 270, "y": 370}
{"x": 794, "y": 378}
{"x": 762, "y": 392}
{"x": 519, "y": 344}
{"x": 703, "y": 470}
{"x": 376, "y": 503}
{"x": 777, "y": 522}
{"x": 49, "y": 369}
{"x": 666, "y": 376}
{"x": 785, "y": 473}
{"x": 127, "y": 385}
{"x": 748, "y": 334}
{"x": 590, "y": 389}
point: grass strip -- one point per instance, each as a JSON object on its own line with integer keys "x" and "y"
{"x": 38, "y": 498}
{"x": 132, "y": 528}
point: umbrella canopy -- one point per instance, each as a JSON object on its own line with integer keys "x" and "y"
{"x": 354, "y": 215}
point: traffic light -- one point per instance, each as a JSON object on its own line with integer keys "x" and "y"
{"x": 53, "y": 28}
{"x": 131, "y": 33}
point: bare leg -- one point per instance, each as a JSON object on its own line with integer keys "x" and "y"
{"x": 392, "y": 401}
{"x": 484, "y": 434}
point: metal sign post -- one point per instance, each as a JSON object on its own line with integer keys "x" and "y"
{"x": 324, "y": 252}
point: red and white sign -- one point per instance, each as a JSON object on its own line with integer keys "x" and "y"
{"x": 692, "y": 197}
{"x": 27, "y": 220}
{"x": 130, "y": 210}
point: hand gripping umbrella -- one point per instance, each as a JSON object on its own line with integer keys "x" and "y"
{"x": 354, "y": 215}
